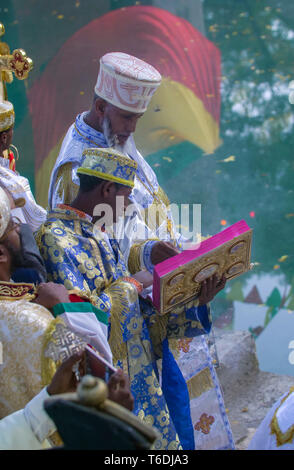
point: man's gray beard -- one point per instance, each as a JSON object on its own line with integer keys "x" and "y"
{"x": 112, "y": 139}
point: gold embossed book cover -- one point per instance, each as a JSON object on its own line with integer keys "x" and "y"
{"x": 178, "y": 279}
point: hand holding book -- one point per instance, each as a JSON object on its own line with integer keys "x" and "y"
{"x": 210, "y": 287}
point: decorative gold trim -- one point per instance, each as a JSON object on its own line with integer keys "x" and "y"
{"x": 97, "y": 256}
{"x": 100, "y": 174}
{"x": 288, "y": 436}
{"x": 12, "y": 291}
{"x": 134, "y": 260}
{"x": 48, "y": 365}
{"x": 219, "y": 256}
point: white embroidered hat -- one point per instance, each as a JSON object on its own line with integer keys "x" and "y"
{"x": 6, "y": 115}
{"x": 126, "y": 81}
{"x": 4, "y": 212}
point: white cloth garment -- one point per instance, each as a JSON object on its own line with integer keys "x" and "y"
{"x": 276, "y": 431}
{"x": 29, "y": 428}
{"x": 19, "y": 187}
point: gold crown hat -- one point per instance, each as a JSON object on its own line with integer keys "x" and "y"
{"x": 4, "y": 212}
{"x": 108, "y": 164}
{"x": 7, "y": 115}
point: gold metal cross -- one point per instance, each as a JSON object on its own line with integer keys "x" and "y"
{"x": 16, "y": 63}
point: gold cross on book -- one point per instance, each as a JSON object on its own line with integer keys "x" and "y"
{"x": 16, "y": 63}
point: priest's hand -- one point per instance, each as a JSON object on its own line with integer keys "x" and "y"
{"x": 50, "y": 294}
{"x": 162, "y": 251}
{"x": 64, "y": 380}
{"x": 119, "y": 390}
{"x": 210, "y": 287}
{"x": 144, "y": 277}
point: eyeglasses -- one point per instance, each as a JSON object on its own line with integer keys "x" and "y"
{"x": 13, "y": 223}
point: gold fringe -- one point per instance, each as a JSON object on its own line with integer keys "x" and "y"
{"x": 121, "y": 297}
{"x": 134, "y": 261}
{"x": 67, "y": 189}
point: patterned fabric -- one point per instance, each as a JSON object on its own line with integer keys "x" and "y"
{"x": 23, "y": 327}
{"x": 6, "y": 115}
{"x": 77, "y": 258}
{"x": 126, "y": 81}
{"x": 108, "y": 164}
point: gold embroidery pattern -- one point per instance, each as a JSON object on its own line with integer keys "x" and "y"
{"x": 22, "y": 326}
{"x": 59, "y": 344}
{"x": 288, "y": 436}
{"x": 230, "y": 259}
{"x": 12, "y": 291}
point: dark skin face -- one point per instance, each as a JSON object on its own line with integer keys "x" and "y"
{"x": 105, "y": 193}
{"x": 11, "y": 238}
{"x": 6, "y": 139}
{"x": 122, "y": 123}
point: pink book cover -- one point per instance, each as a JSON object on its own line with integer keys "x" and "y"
{"x": 227, "y": 252}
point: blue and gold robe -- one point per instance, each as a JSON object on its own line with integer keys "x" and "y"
{"x": 83, "y": 258}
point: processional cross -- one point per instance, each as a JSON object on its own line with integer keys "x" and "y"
{"x": 16, "y": 63}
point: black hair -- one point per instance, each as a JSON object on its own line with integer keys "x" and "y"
{"x": 88, "y": 183}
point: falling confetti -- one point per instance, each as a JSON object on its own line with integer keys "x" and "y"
{"x": 223, "y": 222}
{"x": 232, "y": 158}
{"x": 252, "y": 214}
{"x": 283, "y": 258}
{"x": 276, "y": 266}
{"x": 168, "y": 159}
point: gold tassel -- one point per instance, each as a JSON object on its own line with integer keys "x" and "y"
{"x": 134, "y": 262}
{"x": 121, "y": 297}
{"x": 67, "y": 189}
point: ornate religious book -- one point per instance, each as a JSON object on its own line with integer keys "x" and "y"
{"x": 178, "y": 279}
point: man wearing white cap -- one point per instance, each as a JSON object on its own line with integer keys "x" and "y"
{"x": 27, "y": 209}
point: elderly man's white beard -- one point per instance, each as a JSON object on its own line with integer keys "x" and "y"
{"x": 112, "y": 139}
